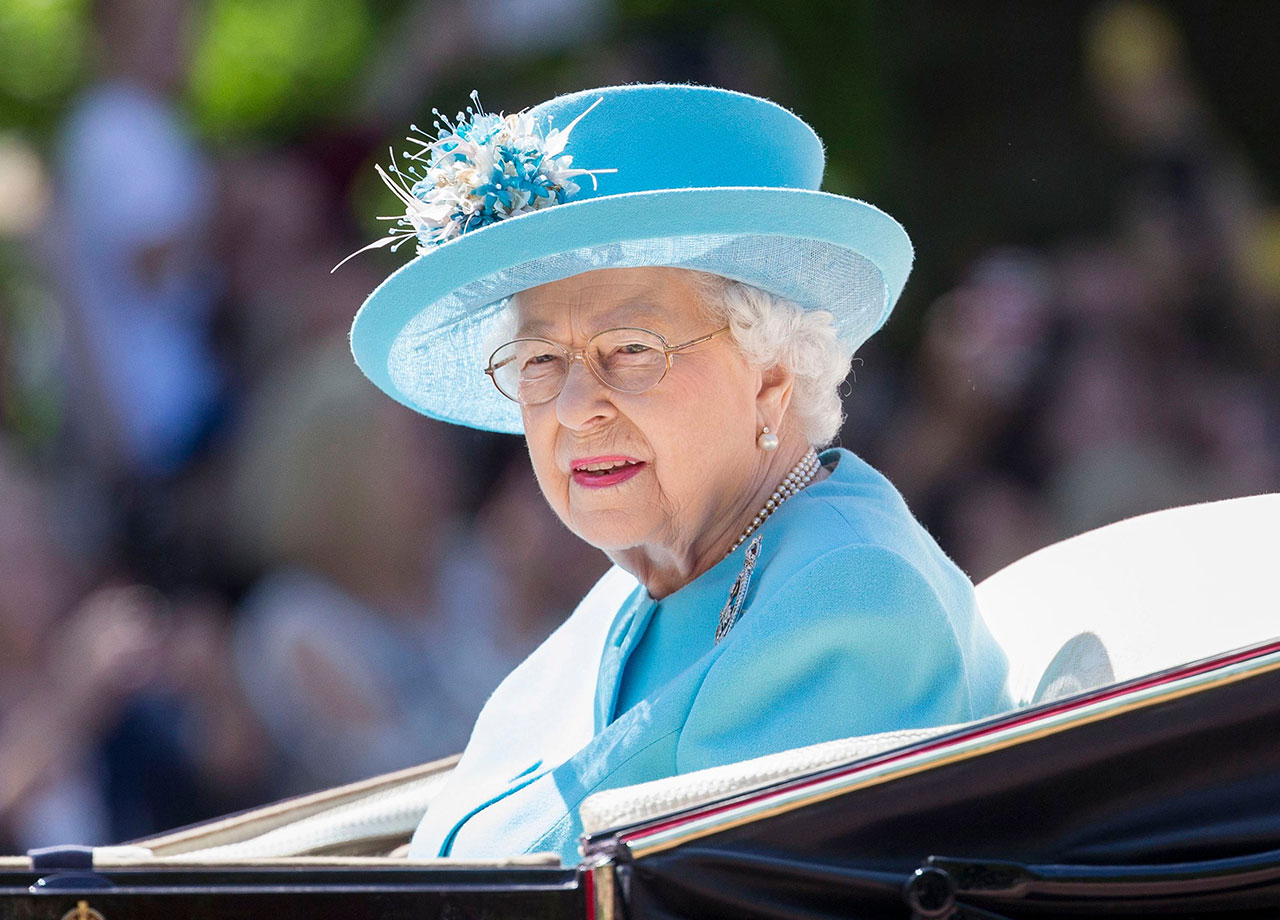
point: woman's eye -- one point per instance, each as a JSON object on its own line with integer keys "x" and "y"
{"x": 539, "y": 363}
{"x": 634, "y": 348}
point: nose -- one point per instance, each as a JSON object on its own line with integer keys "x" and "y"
{"x": 583, "y": 401}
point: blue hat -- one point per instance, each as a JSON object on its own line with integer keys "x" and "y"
{"x": 662, "y": 175}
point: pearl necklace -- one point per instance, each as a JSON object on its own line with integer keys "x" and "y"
{"x": 800, "y": 476}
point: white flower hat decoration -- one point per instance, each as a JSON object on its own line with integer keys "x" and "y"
{"x": 480, "y": 169}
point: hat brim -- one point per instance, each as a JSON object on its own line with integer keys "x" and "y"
{"x": 422, "y": 335}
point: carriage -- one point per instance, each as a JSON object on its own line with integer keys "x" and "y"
{"x": 1139, "y": 775}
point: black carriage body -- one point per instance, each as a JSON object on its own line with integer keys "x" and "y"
{"x": 1157, "y": 797}
{"x": 294, "y": 893}
{"x": 1166, "y": 804}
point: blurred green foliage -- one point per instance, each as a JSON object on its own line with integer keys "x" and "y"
{"x": 268, "y": 66}
{"x": 970, "y": 121}
{"x": 42, "y": 54}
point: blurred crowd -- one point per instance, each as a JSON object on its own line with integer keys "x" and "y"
{"x": 232, "y": 570}
{"x": 1062, "y": 387}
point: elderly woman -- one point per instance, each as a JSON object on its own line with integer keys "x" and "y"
{"x": 665, "y": 306}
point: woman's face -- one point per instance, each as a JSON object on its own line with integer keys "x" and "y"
{"x": 684, "y": 451}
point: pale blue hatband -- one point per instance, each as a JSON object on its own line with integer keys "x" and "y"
{"x": 706, "y": 179}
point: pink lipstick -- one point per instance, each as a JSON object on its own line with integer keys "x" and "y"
{"x": 599, "y": 472}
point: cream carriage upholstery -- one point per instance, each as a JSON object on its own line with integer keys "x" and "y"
{"x": 368, "y": 818}
{"x": 1128, "y": 599}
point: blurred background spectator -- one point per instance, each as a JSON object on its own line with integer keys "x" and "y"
{"x": 231, "y": 570}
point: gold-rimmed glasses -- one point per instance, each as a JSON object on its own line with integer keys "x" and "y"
{"x": 532, "y": 371}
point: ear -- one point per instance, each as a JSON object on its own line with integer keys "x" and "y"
{"x": 774, "y": 396}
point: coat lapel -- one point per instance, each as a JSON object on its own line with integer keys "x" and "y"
{"x": 626, "y": 632}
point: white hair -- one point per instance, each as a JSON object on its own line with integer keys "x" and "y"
{"x": 772, "y": 331}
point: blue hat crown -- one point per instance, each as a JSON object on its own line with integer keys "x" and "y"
{"x": 668, "y": 137}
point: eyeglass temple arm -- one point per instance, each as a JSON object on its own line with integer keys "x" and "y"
{"x": 698, "y": 341}
{"x": 501, "y": 364}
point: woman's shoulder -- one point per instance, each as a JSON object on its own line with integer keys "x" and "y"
{"x": 851, "y": 577}
{"x": 856, "y": 499}
{"x": 853, "y": 522}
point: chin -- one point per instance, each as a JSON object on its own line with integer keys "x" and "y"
{"x": 610, "y": 530}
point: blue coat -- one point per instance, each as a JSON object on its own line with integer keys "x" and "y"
{"x": 854, "y": 622}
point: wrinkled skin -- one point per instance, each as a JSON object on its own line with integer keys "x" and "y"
{"x": 703, "y": 476}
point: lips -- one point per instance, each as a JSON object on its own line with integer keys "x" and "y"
{"x": 599, "y": 472}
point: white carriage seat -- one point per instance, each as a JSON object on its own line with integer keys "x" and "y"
{"x": 1137, "y": 597}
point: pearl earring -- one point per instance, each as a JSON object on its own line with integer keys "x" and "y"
{"x": 767, "y": 440}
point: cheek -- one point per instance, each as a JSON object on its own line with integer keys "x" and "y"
{"x": 711, "y": 410}
{"x": 540, "y": 439}
{"x": 702, "y": 435}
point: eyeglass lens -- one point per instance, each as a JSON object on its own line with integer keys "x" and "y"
{"x": 533, "y": 371}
